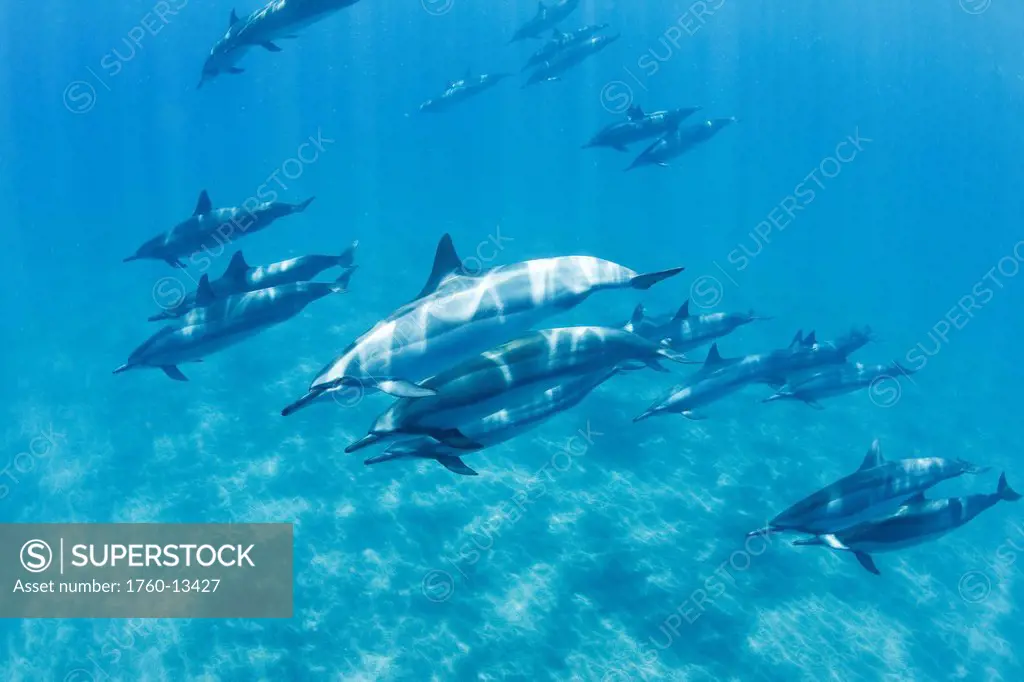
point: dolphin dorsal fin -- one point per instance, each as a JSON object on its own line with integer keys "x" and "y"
{"x": 683, "y": 312}
{"x": 237, "y": 267}
{"x": 446, "y": 261}
{"x": 204, "y": 294}
{"x": 203, "y": 205}
{"x": 233, "y": 19}
{"x": 635, "y": 112}
{"x": 797, "y": 339}
{"x": 636, "y": 317}
{"x": 809, "y": 340}
{"x": 873, "y": 458}
{"x": 714, "y": 358}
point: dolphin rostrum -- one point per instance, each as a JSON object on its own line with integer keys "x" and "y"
{"x": 458, "y": 315}
{"x": 276, "y": 20}
{"x": 207, "y": 225}
{"x": 496, "y": 380}
{"x": 875, "y": 490}
{"x": 219, "y": 323}
{"x": 240, "y": 277}
{"x": 916, "y": 522}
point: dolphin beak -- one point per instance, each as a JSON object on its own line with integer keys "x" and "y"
{"x": 363, "y": 442}
{"x": 122, "y": 368}
{"x": 129, "y": 259}
{"x": 301, "y": 402}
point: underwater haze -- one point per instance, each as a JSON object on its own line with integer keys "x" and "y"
{"x": 871, "y": 178}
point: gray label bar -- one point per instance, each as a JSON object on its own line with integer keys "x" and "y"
{"x": 146, "y": 570}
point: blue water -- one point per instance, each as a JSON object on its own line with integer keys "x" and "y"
{"x": 627, "y": 559}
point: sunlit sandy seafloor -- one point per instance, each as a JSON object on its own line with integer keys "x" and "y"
{"x": 592, "y": 549}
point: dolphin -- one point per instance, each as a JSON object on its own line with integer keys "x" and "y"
{"x": 220, "y": 323}
{"x": 807, "y": 355}
{"x": 685, "y": 331}
{"x": 206, "y": 225}
{"x": 546, "y": 18}
{"x": 461, "y": 90}
{"x": 552, "y": 69}
{"x": 457, "y": 315}
{"x": 718, "y": 378}
{"x": 918, "y": 521}
{"x": 837, "y": 380}
{"x": 560, "y": 41}
{"x": 639, "y": 126}
{"x": 240, "y": 277}
{"x": 679, "y": 141}
{"x": 532, "y": 409}
{"x": 495, "y": 380}
{"x": 276, "y": 20}
{"x": 875, "y": 490}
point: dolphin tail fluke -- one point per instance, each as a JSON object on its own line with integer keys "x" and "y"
{"x": 301, "y": 402}
{"x": 648, "y": 280}
{"x": 348, "y": 256}
{"x": 299, "y": 208}
{"x": 364, "y": 442}
{"x": 1004, "y": 490}
{"x": 455, "y": 465}
{"x": 173, "y": 372}
{"x": 340, "y": 285}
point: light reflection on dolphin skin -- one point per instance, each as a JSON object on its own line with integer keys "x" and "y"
{"x": 561, "y": 41}
{"x": 494, "y": 381}
{"x": 276, "y": 20}
{"x": 916, "y": 522}
{"x": 458, "y": 316}
{"x": 222, "y": 322}
{"x": 878, "y": 488}
{"x": 679, "y": 141}
{"x": 208, "y": 226}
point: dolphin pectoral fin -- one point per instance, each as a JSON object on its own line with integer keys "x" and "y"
{"x": 270, "y": 46}
{"x": 657, "y": 366}
{"x": 646, "y": 281}
{"x": 234, "y": 70}
{"x": 175, "y": 263}
{"x": 620, "y": 148}
{"x": 340, "y": 285}
{"x": 455, "y": 465}
{"x": 867, "y": 562}
{"x": 662, "y": 164}
{"x": 404, "y": 389}
{"x": 694, "y": 416}
{"x": 815, "y": 404}
{"x": 173, "y": 372}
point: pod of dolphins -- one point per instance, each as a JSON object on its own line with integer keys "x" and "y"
{"x": 464, "y": 361}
